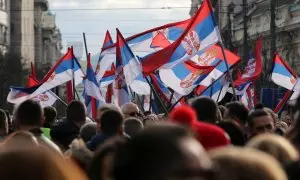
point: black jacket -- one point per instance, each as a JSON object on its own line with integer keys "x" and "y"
{"x": 64, "y": 132}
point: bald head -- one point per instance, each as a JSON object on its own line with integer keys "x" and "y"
{"x": 130, "y": 110}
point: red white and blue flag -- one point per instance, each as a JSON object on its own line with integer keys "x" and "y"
{"x": 254, "y": 66}
{"x": 91, "y": 85}
{"x": 66, "y": 69}
{"x": 105, "y": 64}
{"x": 200, "y": 33}
{"x": 283, "y": 75}
{"x": 45, "y": 99}
{"x": 248, "y": 98}
{"x": 127, "y": 70}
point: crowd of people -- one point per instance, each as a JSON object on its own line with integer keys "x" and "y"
{"x": 197, "y": 141}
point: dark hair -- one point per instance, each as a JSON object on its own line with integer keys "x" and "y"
{"x": 235, "y": 133}
{"x": 29, "y": 113}
{"x": 3, "y": 119}
{"x": 111, "y": 121}
{"x": 50, "y": 116}
{"x": 132, "y": 126}
{"x": 151, "y": 154}
{"x": 111, "y": 146}
{"x": 76, "y": 111}
{"x": 238, "y": 110}
{"x": 87, "y": 131}
{"x": 206, "y": 109}
{"x": 259, "y": 106}
{"x": 255, "y": 114}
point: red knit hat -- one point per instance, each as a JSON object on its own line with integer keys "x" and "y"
{"x": 183, "y": 115}
{"x": 210, "y": 136}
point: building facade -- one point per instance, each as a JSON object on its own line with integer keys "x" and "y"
{"x": 258, "y": 23}
{"x": 47, "y": 36}
{"x": 22, "y": 30}
{"x": 33, "y": 32}
{"x": 4, "y": 26}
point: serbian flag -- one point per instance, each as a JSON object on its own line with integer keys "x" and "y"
{"x": 218, "y": 90}
{"x": 127, "y": 70}
{"x": 66, "y": 69}
{"x": 45, "y": 99}
{"x": 248, "y": 98}
{"x": 283, "y": 75}
{"x": 201, "y": 33}
{"x": 184, "y": 77}
{"x": 91, "y": 85}
{"x": 105, "y": 62}
{"x": 254, "y": 66}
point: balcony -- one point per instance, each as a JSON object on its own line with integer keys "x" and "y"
{"x": 43, "y": 3}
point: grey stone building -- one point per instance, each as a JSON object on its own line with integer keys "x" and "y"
{"x": 4, "y": 26}
{"x": 47, "y": 36}
{"x": 33, "y": 32}
{"x": 21, "y": 30}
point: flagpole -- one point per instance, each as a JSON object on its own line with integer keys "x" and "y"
{"x": 229, "y": 74}
{"x": 220, "y": 94}
{"x": 171, "y": 98}
{"x": 158, "y": 97}
{"x": 73, "y": 76}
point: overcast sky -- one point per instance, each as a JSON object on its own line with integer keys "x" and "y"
{"x": 95, "y": 22}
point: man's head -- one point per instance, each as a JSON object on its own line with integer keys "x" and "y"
{"x": 164, "y": 151}
{"x": 76, "y": 112}
{"x": 87, "y": 131}
{"x": 260, "y": 122}
{"x": 29, "y": 114}
{"x": 3, "y": 123}
{"x": 206, "y": 109}
{"x": 130, "y": 110}
{"x": 103, "y": 108}
{"x": 237, "y": 112}
{"x": 111, "y": 123}
{"x": 50, "y": 116}
{"x": 133, "y": 126}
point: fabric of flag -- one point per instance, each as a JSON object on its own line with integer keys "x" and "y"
{"x": 108, "y": 77}
{"x": 254, "y": 66}
{"x": 105, "y": 61}
{"x": 131, "y": 66}
{"x": 248, "y": 98}
{"x": 91, "y": 85}
{"x": 183, "y": 78}
{"x": 283, "y": 75}
{"x": 201, "y": 33}
{"x": 124, "y": 55}
{"x": 62, "y": 72}
{"x": 140, "y": 86}
{"x": 45, "y": 99}
{"x": 218, "y": 90}
{"x": 212, "y": 56}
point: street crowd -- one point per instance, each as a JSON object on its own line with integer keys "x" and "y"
{"x": 200, "y": 140}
